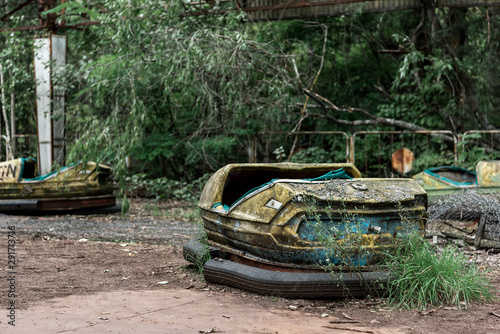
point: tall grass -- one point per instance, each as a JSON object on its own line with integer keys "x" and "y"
{"x": 204, "y": 256}
{"x": 422, "y": 277}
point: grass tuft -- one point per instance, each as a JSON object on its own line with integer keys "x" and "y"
{"x": 423, "y": 278}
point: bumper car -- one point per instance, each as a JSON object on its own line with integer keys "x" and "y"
{"x": 263, "y": 224}
{"x": 79, "y": 186}
{"x": 449, "y": 179}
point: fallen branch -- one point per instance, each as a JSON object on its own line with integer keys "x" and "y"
{"x": 495, "y": 314}
{"x": 343, "y": 321}
{"x": 348, "y": 329}
{"x": 346, "y": 316}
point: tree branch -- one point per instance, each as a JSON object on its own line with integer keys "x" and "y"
{"x": 327, "y": 106}
{"x": 305, "y": 113}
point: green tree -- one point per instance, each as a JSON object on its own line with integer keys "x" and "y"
{"x": 184, "y": 93}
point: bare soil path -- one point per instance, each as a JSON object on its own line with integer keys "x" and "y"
{"x": 108, "y": 274}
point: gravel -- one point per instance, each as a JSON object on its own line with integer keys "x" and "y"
{"x": 136, "y": 226}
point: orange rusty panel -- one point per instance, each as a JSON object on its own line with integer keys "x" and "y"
{"x": 402, "y": 160}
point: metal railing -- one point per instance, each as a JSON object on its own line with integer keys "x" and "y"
{"x": 376, "y": 153}
{"x": 391, "y": 140}
{"x": 492, "y": 143}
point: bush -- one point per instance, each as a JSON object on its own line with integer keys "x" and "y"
{"x": 163, "y": 188}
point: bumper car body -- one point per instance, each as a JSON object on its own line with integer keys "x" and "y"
{"x": 269, "y": 215}
{"x": 449, "y": 179}
{"x": 78, "y": 186}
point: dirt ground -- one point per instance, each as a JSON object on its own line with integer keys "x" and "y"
{"x": 80, "y": 284}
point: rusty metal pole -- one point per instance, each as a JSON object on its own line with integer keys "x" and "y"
{"x": 47, "y": 21}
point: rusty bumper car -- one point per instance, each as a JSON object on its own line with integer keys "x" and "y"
{"x": 261, "y": 224}
{"x": 85, "y": 185}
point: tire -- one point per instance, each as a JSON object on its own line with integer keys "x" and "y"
{"x": 196, "y": 252}
{"x": 293, "y": 284}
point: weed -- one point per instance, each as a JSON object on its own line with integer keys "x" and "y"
{"x": 313, "y": 155}
{"x": 200, "y": 260}
{"x": 279, "y": 153}
{"x": 344, "y": 242}
{"x": 421, "y": 277}
{"x": 470, "y": 152}
{"x": 156, "y": 210}
{"x": 202, "y": 253}
{"x": 354, "y": 241}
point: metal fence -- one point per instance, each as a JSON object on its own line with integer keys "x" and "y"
{"x": 372, "y": 151}
{"x": 374, "y": 157}
{"x": 487, "y": 141}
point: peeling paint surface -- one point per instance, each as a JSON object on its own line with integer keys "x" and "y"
{"x": 287, "y": 235}
{"x": 487, "y": 174}
{"x": 18, "y": 181}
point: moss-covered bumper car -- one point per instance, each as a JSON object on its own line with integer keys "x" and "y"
{"x": 449, "y": 179}
{"x": 79, "y": 186}
{"x": 264, "y": 223}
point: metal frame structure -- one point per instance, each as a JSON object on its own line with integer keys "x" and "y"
{"x": 445, "y": 135}
{"x": 259, "y": 10}
{"x": 490, "y": 132}
{"x": 272, "y": 10}
{"x": 47, "y": 22}
{"x": 442, "y": 134}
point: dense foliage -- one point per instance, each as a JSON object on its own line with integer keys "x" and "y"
{"x": 179, "y": 95}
